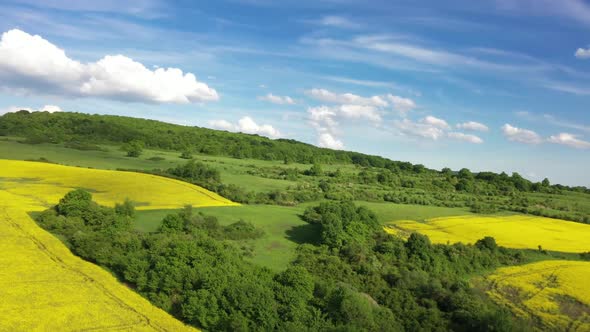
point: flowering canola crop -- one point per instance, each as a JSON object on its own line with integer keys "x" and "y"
{"x": 553, "y": 293}
{"x": 518, "y": 231}
{"x": 47, "y": 183}
{"x": 43, "y": 286}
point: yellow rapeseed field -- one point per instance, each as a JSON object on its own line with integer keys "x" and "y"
{"x": 518, "y": 231}
{"x": 43, "y": 286}
{"x": 47, "y": 183}
{"x": 552, "y": 293}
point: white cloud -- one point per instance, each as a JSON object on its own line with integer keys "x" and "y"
{"x": 359, "y": 112}
{"x": 246, "y": 125}
{"x": 419, "y": 129}
{"x": 472, "y": 125}
{"x": 326, "y": 140}
{"x": 280, "y": 100}
{"x": 46, "y": 108}
{"x": 465, "y": 137}
{"x": 34, "y": 64}
{"x": 582, "y": 53}
{"x": 50, "y": 109}
{"x": 222, "y": 125}
{"x": 432, "y": 128}
{"x": 521, "y": 135}
{"x": 404, "y": 105}
{"x": 435, "y": 122}
{"x": 569, "y": 140}
{"x": 569, "y": 88}
{"x": 325, "y": 119}
{"x": 346, "y": 98}
{"x": 338, "y": 22}
{"x": 400, "y": 104}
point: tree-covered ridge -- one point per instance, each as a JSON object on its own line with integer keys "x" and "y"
{"x": 84, "y": 131}
{"x": 372, "y": 178}
{"x": 355, "y": 278}
{"x": 66, "y": 127}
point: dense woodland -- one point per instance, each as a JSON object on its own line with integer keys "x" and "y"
{"x": 376, "y": 178}
{"x": 354, "y": 277}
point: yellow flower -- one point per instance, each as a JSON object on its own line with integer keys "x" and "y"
{"x": 518, "y": 231}
{"x": 553, "y": 292}
{"x": 43, "y": 286}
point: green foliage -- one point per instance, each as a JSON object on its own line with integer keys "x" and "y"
{"x": 74, "y": 203}
{"x": 186, "y": 154}
{"x": 127, "y": 208}
{"x": 357, "y": 278}
{"x": 255, "y": 182}
{"x": 315, "y": 170}
{"x": 197, "y": 173}
{"x": 488, "y": 243}
{"x": 134, "y": 148}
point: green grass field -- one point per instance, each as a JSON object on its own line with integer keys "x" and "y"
{"x": 233, "y": 171}
{"x": 284, "y": 229}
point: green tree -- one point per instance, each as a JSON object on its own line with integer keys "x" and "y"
{"x": 446, "y": 171}
{"x": 465, "y": 173}
{"x": 315, "y": 170}
{"x": 127, "y": 208}
{"x": 487, "y": 242}
{"x": 75, "y": 203}
{"x": 186, "y": 154}
{"x": 134, "y": 148}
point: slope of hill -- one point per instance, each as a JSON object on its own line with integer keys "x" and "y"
{"x": 43, "y": 285}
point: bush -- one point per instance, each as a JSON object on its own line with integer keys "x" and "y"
{"x": 186, "y": 154}
{"x": 134, "y": 148}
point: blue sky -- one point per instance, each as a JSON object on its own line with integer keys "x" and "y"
{"x": 500, "y": 85}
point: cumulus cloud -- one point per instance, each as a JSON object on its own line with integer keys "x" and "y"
{"x": 348, "y": 106}
{"x": 346, "y": 98}
{"x": 569, "y": 140}
{"x": 472, "y": 125}
{"x": 404, "y": 105}
{"x": 280, "y": 100}
{"x": 432, "y": 128}
{"x": 222, "y": 125}
{"x": 582, "y": 53}
{"x": 50, "y": 109}
{"x": 435, "y": 122}
{"x": 359, "y": 112}
{"x": 326, "y": 140}
{"x": 420, "y": 129}
{"x": 400, "y": 104}
{"x": 46, "y": 108}
{"x": 516, "y": 134}
{"x": 246, "y": 125}
{"x": 325, "y": 119}
{"x": 465, "y": 137}
{"x": 33, "y": 64}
